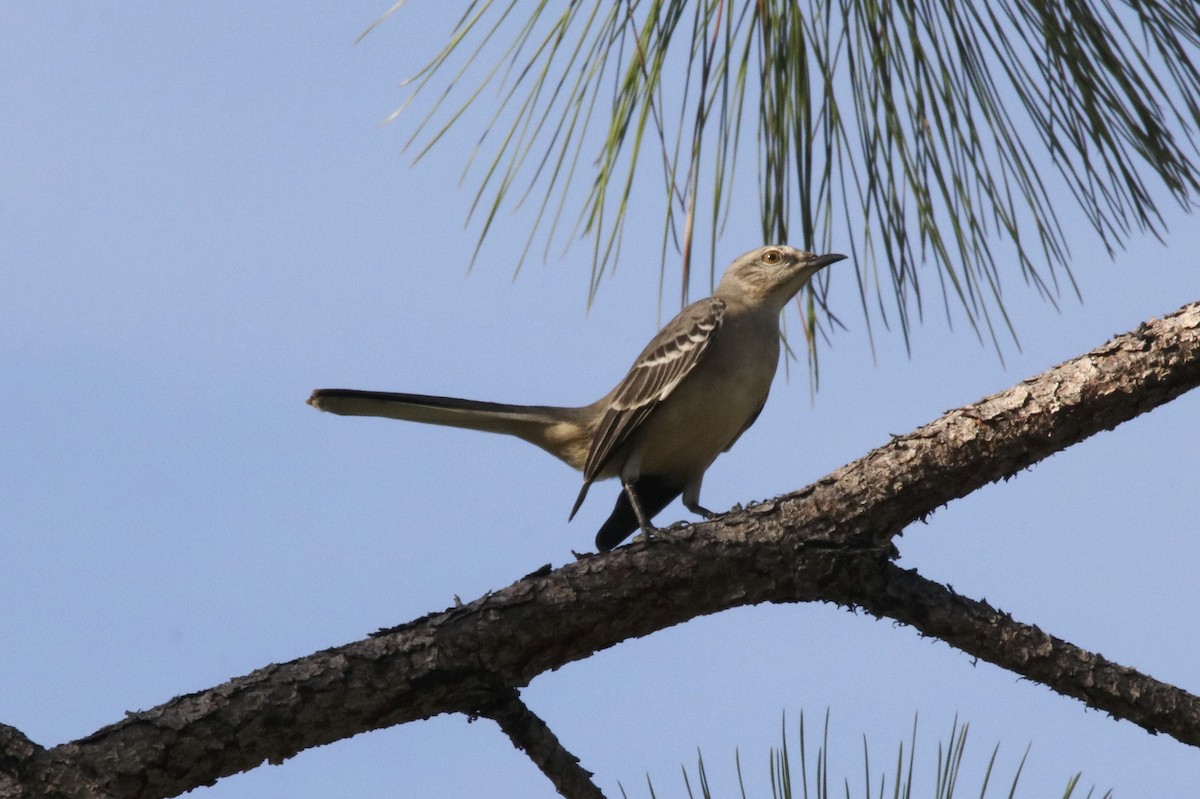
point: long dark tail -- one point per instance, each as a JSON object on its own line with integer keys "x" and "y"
{"x": 654, "y": 492}
{"x": 559, "y": 431}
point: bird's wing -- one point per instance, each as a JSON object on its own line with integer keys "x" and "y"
{"x": 665, "y": 362}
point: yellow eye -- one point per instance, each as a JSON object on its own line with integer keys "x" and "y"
{"x": 772, "y": 257}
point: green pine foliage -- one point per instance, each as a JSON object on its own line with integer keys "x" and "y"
{"x": 917, "y": 131}
{"x": 908, "y": 778}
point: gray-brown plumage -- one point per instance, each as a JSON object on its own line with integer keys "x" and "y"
{"x": 687, "y": 398}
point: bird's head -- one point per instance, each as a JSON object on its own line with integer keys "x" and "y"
{"x": 771, "y": 274}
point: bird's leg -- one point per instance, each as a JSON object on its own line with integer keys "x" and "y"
{"x": 643, "y": 521}
{"x": 691, "y": 500}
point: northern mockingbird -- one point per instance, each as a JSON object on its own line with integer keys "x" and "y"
{"x": 687, "y": 398}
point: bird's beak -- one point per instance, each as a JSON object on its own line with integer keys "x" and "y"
{"x": 822, "y": 261}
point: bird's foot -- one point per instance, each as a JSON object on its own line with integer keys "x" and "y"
{"x": 647, "y": 533}
{"x": 679, "y": 531}
{"x": 701, "y": 511}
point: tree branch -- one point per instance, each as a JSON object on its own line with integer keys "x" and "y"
{"x": 871, "y": 500}
{"x": 978, "y": 629}
{"x": 811, "y": 545}
{"x": 28, "y": 772}
{"x": 531, "y": 735}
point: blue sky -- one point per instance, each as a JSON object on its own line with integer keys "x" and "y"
{"x": 202, "y": 219}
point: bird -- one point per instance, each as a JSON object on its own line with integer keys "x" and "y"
{"x": 691, "y": 393}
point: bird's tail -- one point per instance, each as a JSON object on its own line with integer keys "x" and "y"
{"x": 559, "y": 431}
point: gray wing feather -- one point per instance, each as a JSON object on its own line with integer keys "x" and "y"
{"x": 665, "y": 362}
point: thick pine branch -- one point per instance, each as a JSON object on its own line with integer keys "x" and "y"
{"x": 873, "y": 499}
{"x": 803, "y": 547}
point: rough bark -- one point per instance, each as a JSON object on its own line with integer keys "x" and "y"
{"x": 831, "y": 541}
{"x": 531, "y": 735}
{"x": 978, "y": 629}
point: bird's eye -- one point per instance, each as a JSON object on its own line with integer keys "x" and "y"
{"x": 772, "y": 257}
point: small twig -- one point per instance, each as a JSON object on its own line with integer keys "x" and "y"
{"x": 531, "y": 735}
